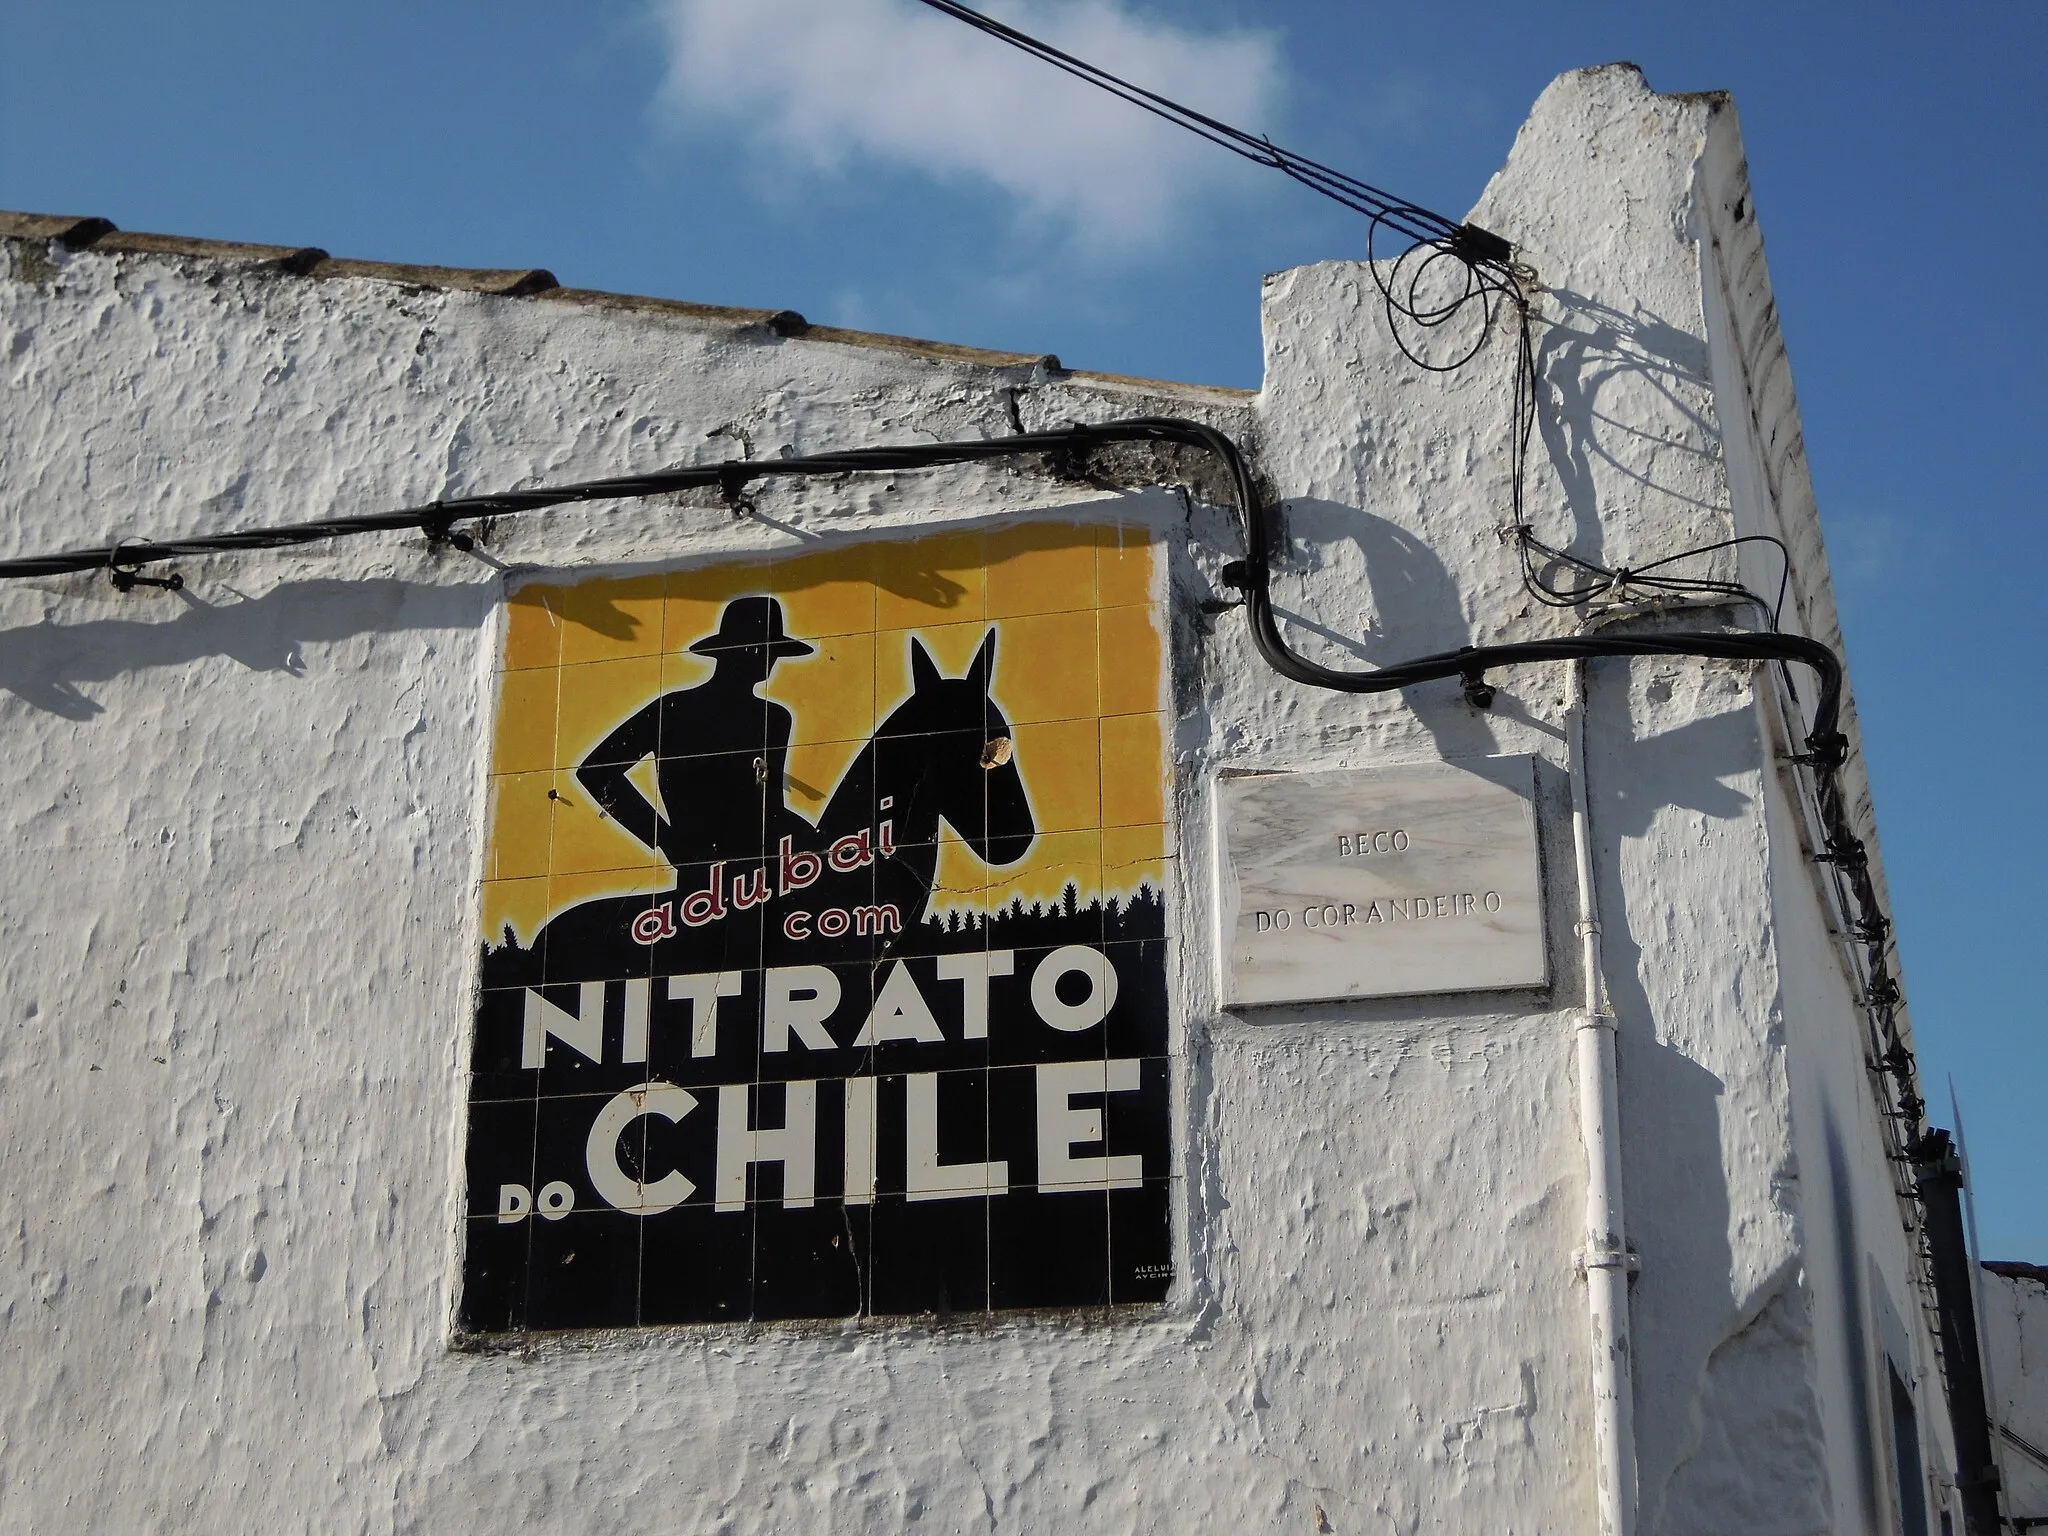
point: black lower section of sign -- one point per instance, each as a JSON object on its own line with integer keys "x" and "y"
{"x": 971, "y": 1120}
{"x": 767, "y": 1263}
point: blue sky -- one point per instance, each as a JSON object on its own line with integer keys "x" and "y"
{"x": 740, "y": 152}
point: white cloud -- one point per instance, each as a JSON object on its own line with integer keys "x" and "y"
{"x": 829, "y": 83}
{"x": 1867, "y": 548}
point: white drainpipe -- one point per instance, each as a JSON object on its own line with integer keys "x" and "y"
{"x": 1605, "y": 1259}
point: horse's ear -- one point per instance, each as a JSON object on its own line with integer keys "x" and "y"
{"x": 924, "y": 672}
{"x": 982, "y": 671}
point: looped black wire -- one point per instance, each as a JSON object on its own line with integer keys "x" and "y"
{"x": 1600, "y": 581}
{"x": 1486, "y": 281}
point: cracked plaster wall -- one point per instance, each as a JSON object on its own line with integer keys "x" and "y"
{"x": 241, "y": 870}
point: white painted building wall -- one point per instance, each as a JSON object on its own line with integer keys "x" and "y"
{"x": 241, "y": 870}
{"x": 2014, "y": 1327}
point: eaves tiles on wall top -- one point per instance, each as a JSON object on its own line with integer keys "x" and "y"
{"x": 102, "y": 235}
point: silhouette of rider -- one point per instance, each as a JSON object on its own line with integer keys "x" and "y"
{"x": 719, "y": 749}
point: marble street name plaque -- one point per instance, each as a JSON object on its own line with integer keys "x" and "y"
{"x": 1380, "y": 882}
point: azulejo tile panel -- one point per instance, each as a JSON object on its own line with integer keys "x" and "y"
{"x": 824, "y": 939}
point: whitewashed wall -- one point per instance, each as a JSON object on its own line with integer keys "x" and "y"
{"x": 240, "y": 879}
{"x": 2014, "y": 1327}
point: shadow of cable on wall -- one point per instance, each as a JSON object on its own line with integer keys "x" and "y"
{"x": 50, "y": 666}
{"x": 1410, "y": 606}
{"x": 1591, "y": 350}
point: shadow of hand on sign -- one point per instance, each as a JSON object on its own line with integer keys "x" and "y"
{"x": 49, "y": 666}
{"x": 602, "y": 615}
{"x": 934, "y": 588}
{"x": 1410, "y": 608}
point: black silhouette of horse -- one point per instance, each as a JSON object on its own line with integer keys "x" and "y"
{"x": 944, "y": 756}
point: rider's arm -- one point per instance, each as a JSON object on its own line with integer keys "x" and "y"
{"x": 602, "y": 773}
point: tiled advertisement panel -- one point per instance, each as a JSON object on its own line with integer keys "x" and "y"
{"x": 824, "y": 943}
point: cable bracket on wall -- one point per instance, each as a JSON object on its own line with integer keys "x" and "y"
{"x": 126, "y": 577}
{"x": 439, "y": 527}
{"x": 732, "y": 485}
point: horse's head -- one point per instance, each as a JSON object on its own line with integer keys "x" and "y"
{"x": 945, "y": 753}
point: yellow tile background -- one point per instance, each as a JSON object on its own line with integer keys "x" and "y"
{"x": 1035, "y": 569}
{"x": 533, "y": 630}
{"x": 1125, "y": 632}
{"x": 526, "y": 722}
{"x": 1078, "y": 611}
{"x": 521, "y": 819}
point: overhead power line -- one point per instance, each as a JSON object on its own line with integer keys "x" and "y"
{"x": 1382, "y": 207}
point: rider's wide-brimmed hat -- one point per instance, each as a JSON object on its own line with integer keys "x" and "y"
{"x": 751, "y": 624}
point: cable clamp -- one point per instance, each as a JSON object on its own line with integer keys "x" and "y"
{"x": 1236, "y": 575}
{"x": 1844, "y": 853}
{"x": 439, "y": 527}
{"x": 1604, "y": 1256}
{"x": 1478, "y": 245}
{"x": 1825, "y": 752}
{"x": 733, "y": 479}
{"x": 126, "y": 578}
{"x": 1479, "y": 693}
{"x": 1068, "y": 461}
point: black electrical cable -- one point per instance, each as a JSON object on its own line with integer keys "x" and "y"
{"x": 1826, "y": 747}
{"x": 1410, "y": 219}
{"x": 1601, "y": 581}
{"x": 1252, "y": 575}
{"x": 437, "y": 518}
{"x": 1487, "y": 274}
